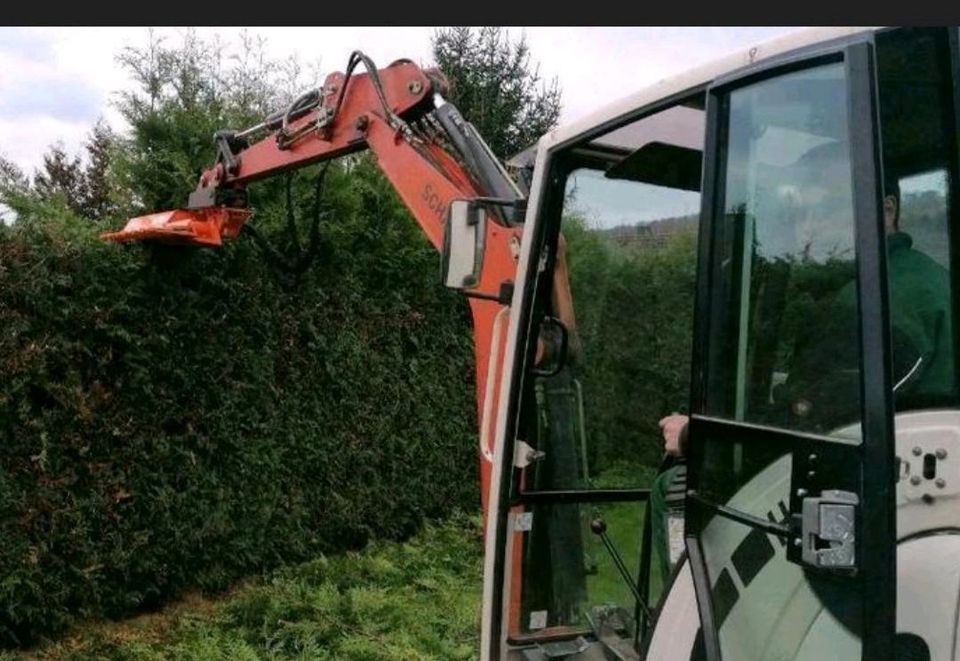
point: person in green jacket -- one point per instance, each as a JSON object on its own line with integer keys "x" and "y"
{"x": 822, "y": 389}
{"x": 922, "y": 335}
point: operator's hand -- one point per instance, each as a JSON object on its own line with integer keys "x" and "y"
{"x": 674, "y": 430}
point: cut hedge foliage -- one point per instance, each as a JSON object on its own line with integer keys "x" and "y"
{"x": 176, "y": 419}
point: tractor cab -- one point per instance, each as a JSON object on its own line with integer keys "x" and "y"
{"x": 767, "y": 246}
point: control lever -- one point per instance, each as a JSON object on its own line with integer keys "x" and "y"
{"x": 599, "y": 528}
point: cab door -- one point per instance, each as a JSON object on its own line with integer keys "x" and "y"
{"x": 790, "y": 505}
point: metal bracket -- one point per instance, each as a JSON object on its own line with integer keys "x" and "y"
{"x": 828, "y": 530}
{"x": 524, "y": 522}
{"x": 561, "y": 649}
{"x": 228, "y": 144}
{"x": 524, "y": 455}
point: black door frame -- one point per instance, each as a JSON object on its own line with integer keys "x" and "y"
{"x": 872, "y": 462}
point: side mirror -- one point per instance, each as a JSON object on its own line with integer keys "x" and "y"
{"x": 464, "y": 242}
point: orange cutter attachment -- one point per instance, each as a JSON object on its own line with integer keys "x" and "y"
{"x": 191, "y": 227}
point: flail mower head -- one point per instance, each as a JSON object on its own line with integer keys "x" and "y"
{"x": 191, "y": 227}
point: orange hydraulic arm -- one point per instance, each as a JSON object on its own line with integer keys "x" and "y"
{"x": 426, "y": 150}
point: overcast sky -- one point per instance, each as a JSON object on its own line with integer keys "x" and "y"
{"x": 56, "y": 82}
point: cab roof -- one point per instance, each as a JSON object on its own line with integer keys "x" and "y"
{"x": 691, "y": 79}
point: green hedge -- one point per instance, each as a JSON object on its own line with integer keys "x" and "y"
{"x": 635, "y": 318}
{"x": 175, "y": 419}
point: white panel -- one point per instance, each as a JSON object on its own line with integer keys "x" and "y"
{"x": 677, "y": 625}
{"x": 928, "y": 585}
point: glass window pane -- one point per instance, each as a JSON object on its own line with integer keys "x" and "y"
{"x": 918, "y": 131}
{"x": 784, "y": 353}
{"x": 767, "y": 608}
{"x": 570, "y": 576}
{"x": 629, "y": 236}
{"x": 629, "y": 224}
{"x": 786, "y": 346}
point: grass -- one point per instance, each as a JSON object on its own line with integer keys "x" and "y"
{"x": 417, "y": 600}
{"x": 624, "y": 528}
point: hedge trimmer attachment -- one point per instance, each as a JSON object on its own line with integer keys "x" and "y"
{"x": 191, "y": 227}
{"x": 211, "y": 225}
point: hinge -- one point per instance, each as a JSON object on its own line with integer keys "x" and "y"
{"x": 524, "y": 522}
{"x": 524, "y": 455}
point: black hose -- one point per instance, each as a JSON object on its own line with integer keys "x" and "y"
{"x": 291, "y": 271}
